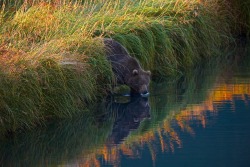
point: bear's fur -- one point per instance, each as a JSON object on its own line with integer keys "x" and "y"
{"x": 126, "y": 68}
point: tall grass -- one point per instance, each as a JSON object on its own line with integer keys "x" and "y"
{"x": 52, "y": 56}
{"x": 86, "y": 137}
{"x": 242, "y": 12}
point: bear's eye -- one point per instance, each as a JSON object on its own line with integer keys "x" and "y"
{"x": 135, "y": 72}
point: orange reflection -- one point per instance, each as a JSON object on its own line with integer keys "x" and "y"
{"x": 166, "y": 135}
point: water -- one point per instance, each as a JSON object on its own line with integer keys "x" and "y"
{"x": 202, "y": 119}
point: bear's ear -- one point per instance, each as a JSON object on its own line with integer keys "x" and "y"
{"x": 149, "y": 73}
{"x": 135, "y": 72}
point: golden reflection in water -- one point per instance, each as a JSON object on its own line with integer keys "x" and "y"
{"x": 167, "y": 136}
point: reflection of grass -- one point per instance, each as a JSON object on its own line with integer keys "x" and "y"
{"x": 167, "y": 133}
{"x": 53, "y": 63}
{"x": 192, "y": 88}
{"x": 59, "y": 142}
{"x": 167, "y": 103}
{"x": 82, "y": 140}
{"x": 66, "y": 140}
{"x": 168, "y": 98}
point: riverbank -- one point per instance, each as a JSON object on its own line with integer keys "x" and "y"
{"x": 176, "y": 108}
{"x": 52, "y": 61}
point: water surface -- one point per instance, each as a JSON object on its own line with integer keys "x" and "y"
{"x": 199, "y": 119}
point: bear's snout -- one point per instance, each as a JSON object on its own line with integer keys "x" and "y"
{"x": 144, "y": 90}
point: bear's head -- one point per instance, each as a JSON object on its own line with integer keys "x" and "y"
{"x": 139, "y": 82}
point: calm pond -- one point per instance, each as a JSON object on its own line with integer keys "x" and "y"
{"x": 200, "y": 119}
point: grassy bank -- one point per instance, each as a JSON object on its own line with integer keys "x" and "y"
{"x": 85, "y": 139}
{"x": 88, "y": 137}
{"x": 242, "y": 12}
{"x": 52, "y": 61}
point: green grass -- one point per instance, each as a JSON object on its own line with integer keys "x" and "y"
{"x": 64, "y": 141}
{"x": 242, "y": 12}
{"x": 52, "y": 57}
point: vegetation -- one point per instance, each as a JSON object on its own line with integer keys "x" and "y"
{"x": 242, "y": 11}
{"x": 52, "y": 60}
{"x": 83, "y": 139}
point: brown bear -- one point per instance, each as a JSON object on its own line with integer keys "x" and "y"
{"x": 126, "y": 68}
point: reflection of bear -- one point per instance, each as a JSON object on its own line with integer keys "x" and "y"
{"x": 127, "y": 116}
{"x": 126, "y": 68}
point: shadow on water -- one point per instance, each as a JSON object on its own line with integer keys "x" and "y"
{"x": 127, "y": 114}
{"x": 119, "y": 124}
